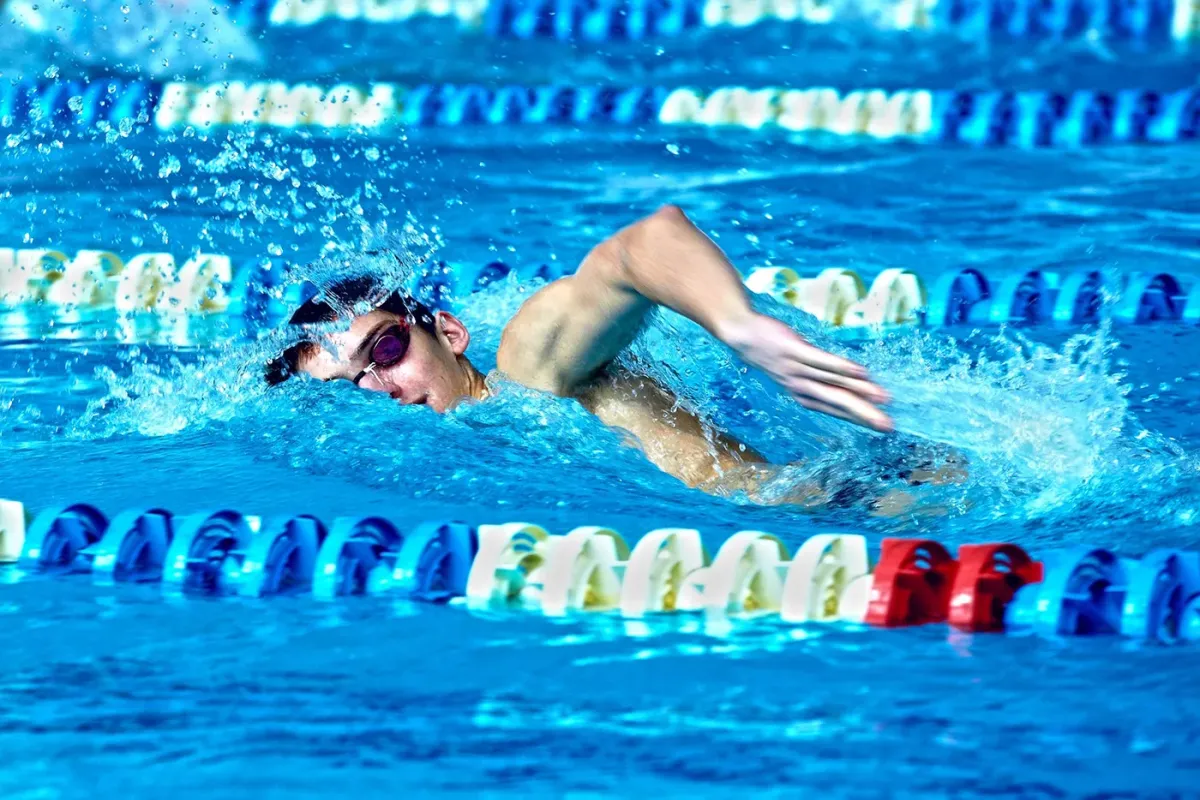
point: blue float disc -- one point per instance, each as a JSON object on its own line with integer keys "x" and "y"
{"x": 1158, "y": 588}
{"x": 465, "y": 105}
{"x": 955, "y": 294}
{"x": 1079, "y": 594}
{"x": 978, "y": 125}
{"x": 485, "y": 276}
{"x": 1189, "y": 623}
{"x": 281, "y": 557}
{"x": 1033, "y": 119}
{"x": 1024, "y": 298}
{"x": 542, "y": 272}
{"x": 638, "y": 106}
{"x": 569, "y": 20}
{"x": 1150, "y": 297}
{"x": 421, "y": 105}
{"x": 196, "y": 559}
{"x": 250, "y": 292}
{"x": 57, "y": 536}
{"x": 295, "y": 294}
{"x": 1191, "y": 306}
{"x": 1175, "y": 119}
{"x": 1079, "y": 298}
{"x": 434, "y": 562}
{"x": 15, "y": 101}
{"x": 134, "y": 547}
{"x": 353, "y": 554}
{"x": 510, "y": 104}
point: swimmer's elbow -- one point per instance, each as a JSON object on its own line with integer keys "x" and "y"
{"x": 613, "y": 262}
{"x": 668, "y": 215}
{"x": 650, "y": 232}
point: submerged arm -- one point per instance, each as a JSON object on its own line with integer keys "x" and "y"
{"x": 574, "y": 327}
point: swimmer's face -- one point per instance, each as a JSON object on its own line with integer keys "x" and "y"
{"x": 386, "y": 353}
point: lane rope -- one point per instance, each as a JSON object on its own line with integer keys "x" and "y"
{"x": 207, "y": 284}
{"x": 1167, "y": 23}
{"x": 1027, "y": 119}
{"x": 835, "y": 577}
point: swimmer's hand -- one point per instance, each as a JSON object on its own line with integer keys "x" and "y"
{"x": 819, "y": 380}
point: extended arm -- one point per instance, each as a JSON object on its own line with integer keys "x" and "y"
{"x": 575, "y": 326}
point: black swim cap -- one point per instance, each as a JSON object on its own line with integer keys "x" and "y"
{"x": 334, "y": 303}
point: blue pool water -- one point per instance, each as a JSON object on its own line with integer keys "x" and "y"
{"x": 1072, "y": 436}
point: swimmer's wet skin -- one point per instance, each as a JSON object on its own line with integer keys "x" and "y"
{"x": 564, "y": 338}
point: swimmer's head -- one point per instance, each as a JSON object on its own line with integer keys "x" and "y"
{"x": 397, "y": 346}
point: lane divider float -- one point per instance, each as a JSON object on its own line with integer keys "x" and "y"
{"x": 899, "y": 297}
{"x": 208, "y": 284}
{"x": 102, "y": 279}
{"x": 1027, "y": 119}
{"x": 1162, "y": 22}
{"x": 834, "y": 577}
{"x": 203, "y": 284}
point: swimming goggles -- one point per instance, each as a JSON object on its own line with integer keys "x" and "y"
{"x": 389, "y": 349}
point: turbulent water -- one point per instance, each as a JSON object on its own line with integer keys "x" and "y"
{"x": 1067, "y": 436}
{"x": 1047, "y": 432}
{"x": 1046, "y": 429}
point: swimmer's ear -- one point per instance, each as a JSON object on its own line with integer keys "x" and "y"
{"x": 451, "y": 328}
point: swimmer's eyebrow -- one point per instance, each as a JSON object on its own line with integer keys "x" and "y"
{"x": 364, "y": 346}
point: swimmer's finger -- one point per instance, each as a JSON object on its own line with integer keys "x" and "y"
{"x": 860, "y": 387}
{"x": 849, "y": 405}
{"x": 874, "y": 420}
{"x": 824, "y": 408}
{"x": 825, "y": 361}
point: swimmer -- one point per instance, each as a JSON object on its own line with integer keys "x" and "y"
{"x": 564, "y": 338}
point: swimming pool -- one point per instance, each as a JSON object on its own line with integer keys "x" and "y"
{"x": 1075, "y": 436}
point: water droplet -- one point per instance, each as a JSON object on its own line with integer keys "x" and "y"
{"x": 169, "y": 166}
{"x": 51, "y": 71}
{"x": 372, "y": 153}
{"x": 673, "y": 149}
{"x": 308, "y": 157}
{"x": 274, "y": 249}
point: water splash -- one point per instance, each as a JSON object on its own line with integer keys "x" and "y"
{"x": 395, "y": 261}
{"x": 1039, "y": 432}
{"x": 1046, "y": 435}
{"x": 196, "y": 39}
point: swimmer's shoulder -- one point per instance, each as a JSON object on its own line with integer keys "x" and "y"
{"x": 528, "y": 352}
